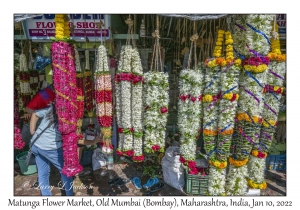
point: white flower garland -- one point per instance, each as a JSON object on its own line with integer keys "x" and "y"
{"x": 256, "y": 169}
{"x": 77, "y": 61}
{"x": 137, "y": 102}
{"x": 24, "y": 84}
{"x": 216, "y": 181}
{"x": 156, "y": 100}
{"x": 238, "y": 185}
{"x": 189, "y": 111}
{"x": 87, "y": 59}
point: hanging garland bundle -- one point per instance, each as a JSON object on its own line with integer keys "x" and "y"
{"x": 272, "y": 94}
{"x": 125, "y": 78}
{"x": 18, "y": 142}
{"x": 89, "y": 86}
{"x": 103, "y": 96}
{"x": 24, "y": 79}
{"x": 156, "y": 100}
{"x": 226, "y": 119}
{"x": 80, "y": 96}
{"x": 137, "y": 107}
{"x": 64, "y": 77}
{"x": 190, "y": 111}
{"x": 211, "y": 98}
{"x": 255, "y": 30}
{"x": 34, "y": 82}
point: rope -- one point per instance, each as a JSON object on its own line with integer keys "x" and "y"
{"x": 193, "y": 39}
{"x": 274, "y": 34}
{"x": 156, "y": 53}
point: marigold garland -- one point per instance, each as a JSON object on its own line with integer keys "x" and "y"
{"x": 254, "y": 185}
{"x": 238, "y": 163}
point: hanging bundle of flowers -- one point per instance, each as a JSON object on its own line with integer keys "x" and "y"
{"x": 272, "y": 93}
{"x": 80, "y": 96}
{"x": 211, "y": 98}
{"x": 18, "y": 142}
{"x": 103, "y": 96}
{"x": 190, "y": 112}
{"x": 226, "y": 119}
{"x": 254, "y": 29}
{"x": 64, "y": 77}
{"x": 156, "y": 101}
{"x": 24, "y": 79}
{"x": 88, "y": 86}
{"x": 137, "y": 106}
{"x": 125, "y": 79}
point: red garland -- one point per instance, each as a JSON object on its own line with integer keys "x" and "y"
{"x": 89, "y": 92}
{"x": 155, "y": 148}
{"x": 138, "y": 158}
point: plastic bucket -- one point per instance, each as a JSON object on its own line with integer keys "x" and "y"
{"x": 25, "y": 170}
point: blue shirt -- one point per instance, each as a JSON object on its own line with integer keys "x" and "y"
{"x": 51, "y": 137}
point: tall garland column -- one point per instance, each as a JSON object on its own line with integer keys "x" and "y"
{"x": 64, "y": 77}
{"x": 88, "y": 88}
{"x": 80, "y": 96}
{"x": 272, "y": 94}
{"x": 229, "y": 88}
{"x": 190, "y": 111}
{"x": 18, "y": 142}
{"x": 103, "y": 96}
{"x": 211, "y": 98}
{"x": 156, "y": 100}
{"x": 24, "y": 83}
{"x": 125, "y": 78}
{"x": 137, "y": 107}
{"x": 254, "y": 30}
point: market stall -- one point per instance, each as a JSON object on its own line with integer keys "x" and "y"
{"x": 189, "y": 101}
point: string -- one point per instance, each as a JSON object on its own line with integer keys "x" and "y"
{"x": 85, "y": 31}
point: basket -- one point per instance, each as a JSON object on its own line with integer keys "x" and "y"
{"x": 276, "y": 162}
{"x": 196, "y": 184}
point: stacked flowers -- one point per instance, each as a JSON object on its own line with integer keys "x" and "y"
{"x": 64, "y": 77}
{"x": 24, "y": 80}
{"x": 272, "y": 94}
{"x": 123, "y": 89}
{"x": 189, "y": 115}
{"x": 103, "y": 96}
{"x": 255, "y": 30}
{"x": 218, "y": 48}
{"x": 80, "y": 96}
{"x": 137, "y": 105}
{"x": 62, "y": 29}
{"x": 156, "y": 100}
{"x": 18, "y": 142}
{"x": 226, "y": 119}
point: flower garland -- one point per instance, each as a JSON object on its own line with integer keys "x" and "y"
{"x": 18, "y": 142}
{"x": 156, "y": 100}
{"x": 189, "y": 114}
{"x": 137, "y": 105}
{"x": 272, "y": 92}
{"x": 64, "y": 77}
{"x": 103, "y": 96}
{"x": 123, "y": 81}
{"x": 226, "y": 120}
{"x": 255, "y": 30}
{"x": 80, "y": 96}
{"x": 88, "y": 87}
{"x": 62, "y": 29}
{"x": 24, "y": 79}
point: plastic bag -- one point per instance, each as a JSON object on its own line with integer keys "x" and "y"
{"x": 98, "y": 159}
{"x": 173, "y": 172}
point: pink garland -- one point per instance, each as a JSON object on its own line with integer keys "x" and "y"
{"x": 64, "y": 77}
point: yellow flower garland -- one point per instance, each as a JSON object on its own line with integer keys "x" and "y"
{"x": 254, "y": 185}
{"x": 244, "y": 116}
{"x": 254, "y": 153}
{"x": 229, "y": 96}
{"x": 62, "y": 29}
{"x": 268, "y": 123}
{"x": 87, "y": 73}
{"x": 238, "y": 163}
{"x": 218, "y": 48}
{"x": 218, "y": 164}
{"x": 256, "y": 69}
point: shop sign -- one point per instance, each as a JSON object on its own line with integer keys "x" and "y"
{"x": 43, "y": 27}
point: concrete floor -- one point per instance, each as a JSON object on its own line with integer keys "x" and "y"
{"x": 96, "y": 184}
